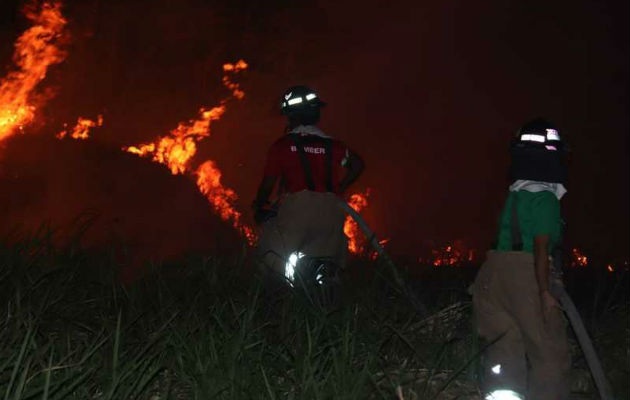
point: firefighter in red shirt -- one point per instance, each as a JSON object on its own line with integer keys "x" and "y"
{"x": 311, "y": 170}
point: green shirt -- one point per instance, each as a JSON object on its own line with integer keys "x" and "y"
{"x": 538, "y": 214}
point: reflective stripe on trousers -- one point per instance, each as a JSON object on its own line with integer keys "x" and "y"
{"x": 307, "y": 222}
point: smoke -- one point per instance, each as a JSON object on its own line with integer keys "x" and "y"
{"x": 429, "y": 95}
{"x": 131, "y": 203}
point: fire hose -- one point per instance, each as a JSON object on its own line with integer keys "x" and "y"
{"x": 382, "y": 254}
{"x": 585, "y": 342}
{"x": 558, "y": 290}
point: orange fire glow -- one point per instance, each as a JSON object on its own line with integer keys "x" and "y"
{"x": 178, "y": 148}
{"x": 578, "y": 258}
{"x": 81, "y": 130}
{"x": 221, "y": 198}
{"x": 36, "y": 50}
{"x": 456, "y": 254}
{"x": 374, "y": 254}
{"x": 228, "y": 83}
{"x": 356, "y": 242}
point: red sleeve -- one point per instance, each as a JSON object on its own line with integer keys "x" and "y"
{"x": 273, "y": 166}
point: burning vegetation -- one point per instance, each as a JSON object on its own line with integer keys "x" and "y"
{"x": 81, "y": 130}
{"x": 356, "y": 241}
{"x": 222, "y": 199}
{"x": 452, "y": 255}
{"x": 36, "y": 50}
{"x": 578, "y": 259}
{"x": 177, "y": 149}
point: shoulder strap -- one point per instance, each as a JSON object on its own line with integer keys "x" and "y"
{"x": 306, "y": 166}
{"x": 517, "y": 239}
{"x": 328, "y": 149}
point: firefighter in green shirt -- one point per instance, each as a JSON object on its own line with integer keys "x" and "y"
{"x": 514, "y": 308}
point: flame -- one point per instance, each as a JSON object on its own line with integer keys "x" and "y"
{"x": 221, "y": 198}
{"x": 81, "y": 130}
{"x": 374, "y": 253}
{"x": 579, "y": 259}
{"x": 227, "y": 82}
{"x": 358, "y": 202}
{"x": 178, "y": 148}
{"x": 456, "y": 254}
{"x": 35, "y": 50}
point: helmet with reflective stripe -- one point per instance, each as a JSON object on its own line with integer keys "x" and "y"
{"x": 538, "y": 153}
{"x": 299, "y": 99}
{"x": 541, "y": 134}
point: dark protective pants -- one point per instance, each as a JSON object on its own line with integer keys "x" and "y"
{"x": 508, "y": 311}
{"x": 307, "y": 222}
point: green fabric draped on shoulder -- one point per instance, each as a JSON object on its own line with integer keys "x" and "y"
{"x": 538, "y": 214}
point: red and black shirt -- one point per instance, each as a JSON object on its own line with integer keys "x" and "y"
{"x": 283, "y": 161}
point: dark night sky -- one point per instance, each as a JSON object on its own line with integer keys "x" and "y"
{"x": 428, "y": 92}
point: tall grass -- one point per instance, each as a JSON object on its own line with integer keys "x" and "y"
{"x": 208, "y": 328}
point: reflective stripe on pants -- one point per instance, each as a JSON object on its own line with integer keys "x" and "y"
{"x": 308, "y": 222}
